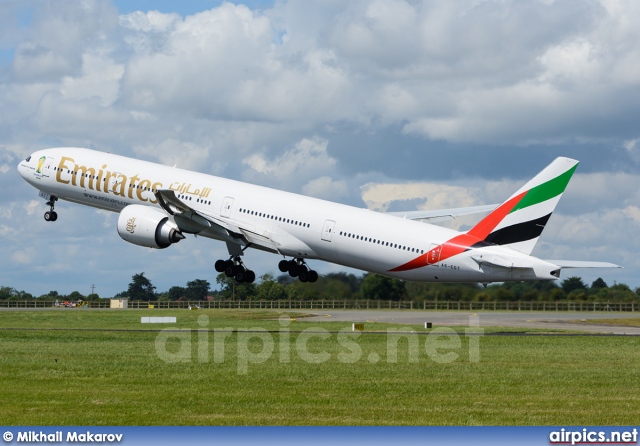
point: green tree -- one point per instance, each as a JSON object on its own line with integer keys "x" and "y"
{"x": 621, "y": 291}
{"x": 51, "y": 295}
{"x": 557, "y": 294}
{"x": 231, "y": 290}
{"x": 573, "y": 283}
{"x": 354, "y": 282}
{"x": 482, "y": 297}
{"x": 76, "y": 295}
{"x": 269, "y": 289}
{"x": 337, "y": 289}
{"x": 197, "y": 289}
{"x": 176, "y": 292}
{"x": 377, "y": 287}
{"x": 22, "y": 295}
{"x": 599, "y": 283}
{"x": 7, "y": 293}
{"x": 579, "y": 294}
{"x": 141, "y": 288}
{"x": 504, "y": 295}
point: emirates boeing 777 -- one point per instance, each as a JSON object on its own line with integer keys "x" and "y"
{"x": 158, "y": 205}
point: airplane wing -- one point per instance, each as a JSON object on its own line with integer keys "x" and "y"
{"x": 581, "y": 264}
{"x": 192, "y": 220}
{"x": 434, "y": 216}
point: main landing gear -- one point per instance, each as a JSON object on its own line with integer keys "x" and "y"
{"x": 297, "y": 268}
{"x": 235, "y": 268}
{"x": 51, "y": 215}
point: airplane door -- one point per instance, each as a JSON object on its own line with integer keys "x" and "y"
{"x": 433, "y": 256}
{"x": 327, "y": 230}
{"x": 225, "y": 210}
{"x": 115, "y": 181}
{"x": 46, "y": 169}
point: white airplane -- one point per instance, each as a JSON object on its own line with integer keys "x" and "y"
{"x": 158, "y": 205}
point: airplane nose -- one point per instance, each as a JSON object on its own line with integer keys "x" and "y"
{"x": 23, "y": 167}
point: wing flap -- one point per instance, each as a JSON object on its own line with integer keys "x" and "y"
{"x": 169, "y": 202}
{"x": 195, "y": 221}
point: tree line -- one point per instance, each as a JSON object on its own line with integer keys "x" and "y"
{"x": 344, "y": 286}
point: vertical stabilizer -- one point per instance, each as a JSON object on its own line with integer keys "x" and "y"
{"x": 519, "y": 221}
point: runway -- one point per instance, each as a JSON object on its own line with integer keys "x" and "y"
{"x": 550, "y": 320}
{"x": 534, "y": 319}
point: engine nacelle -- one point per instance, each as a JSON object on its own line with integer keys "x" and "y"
{"x": 145, "y": 226}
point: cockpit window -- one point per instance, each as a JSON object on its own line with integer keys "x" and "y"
{"x": 28, "y": 158}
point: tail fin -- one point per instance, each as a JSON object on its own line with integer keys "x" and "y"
{"x": 519, "y": 221}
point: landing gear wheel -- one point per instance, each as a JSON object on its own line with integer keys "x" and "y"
{"x": 234, "y": 267}
{"x": 51, "y": 215}
{"x": 297, "y": 268}
{"x": 283, "y": 266}
{"x": 230, "y": 269}
{"x": 240, "y": 273}
{"x": 303, "y": 273}
{"x": 221, "y": 265}
{"x": 246, "y": 276}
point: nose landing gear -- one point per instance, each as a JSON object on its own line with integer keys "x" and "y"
{"x": 51, "y": 215}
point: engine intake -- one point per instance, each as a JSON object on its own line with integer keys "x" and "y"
{"x": 145, "y": 226}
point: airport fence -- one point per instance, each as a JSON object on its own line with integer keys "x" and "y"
{"x": 352, "y": 305}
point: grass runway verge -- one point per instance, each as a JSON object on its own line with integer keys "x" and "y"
{"x": 52, "y": 373}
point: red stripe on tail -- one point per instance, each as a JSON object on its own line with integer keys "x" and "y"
{"x": 460, "y": 243}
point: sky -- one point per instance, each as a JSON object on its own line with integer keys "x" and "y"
{"x": 387, "y": 104}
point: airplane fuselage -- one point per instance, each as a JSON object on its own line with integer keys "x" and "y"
{"x": 294, "y": 225}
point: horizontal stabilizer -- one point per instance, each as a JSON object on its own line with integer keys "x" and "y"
{"x": 581, "y": 264}
{"x": 495, "y": 261}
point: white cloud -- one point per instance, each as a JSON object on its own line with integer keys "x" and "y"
{"x": 185, "y": 155}
{"x": 633, "y": 212}
{"x": 307, "y": 159}
{"x": 149, "y": 22}
{"x": 632, "y": 144}
{"x": 32, "y": 207}
{"x": 424, "y": 196}
{"x": 110, "y": 218}
{"x": 379, "y": 197}
{"x": 326, "y": 188}
{"x": 6, "y": 231}
{"x": 100, "y": 78}
{"x": 22, "y": 257}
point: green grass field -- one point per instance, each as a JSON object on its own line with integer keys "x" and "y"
{"x": 73, "y": 367}
{"x": 626, "y": 322}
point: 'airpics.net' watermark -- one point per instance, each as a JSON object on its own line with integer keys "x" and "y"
{"x": 315, "y": 345}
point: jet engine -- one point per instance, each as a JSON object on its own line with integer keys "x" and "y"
{"x": 145, "y": 226}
